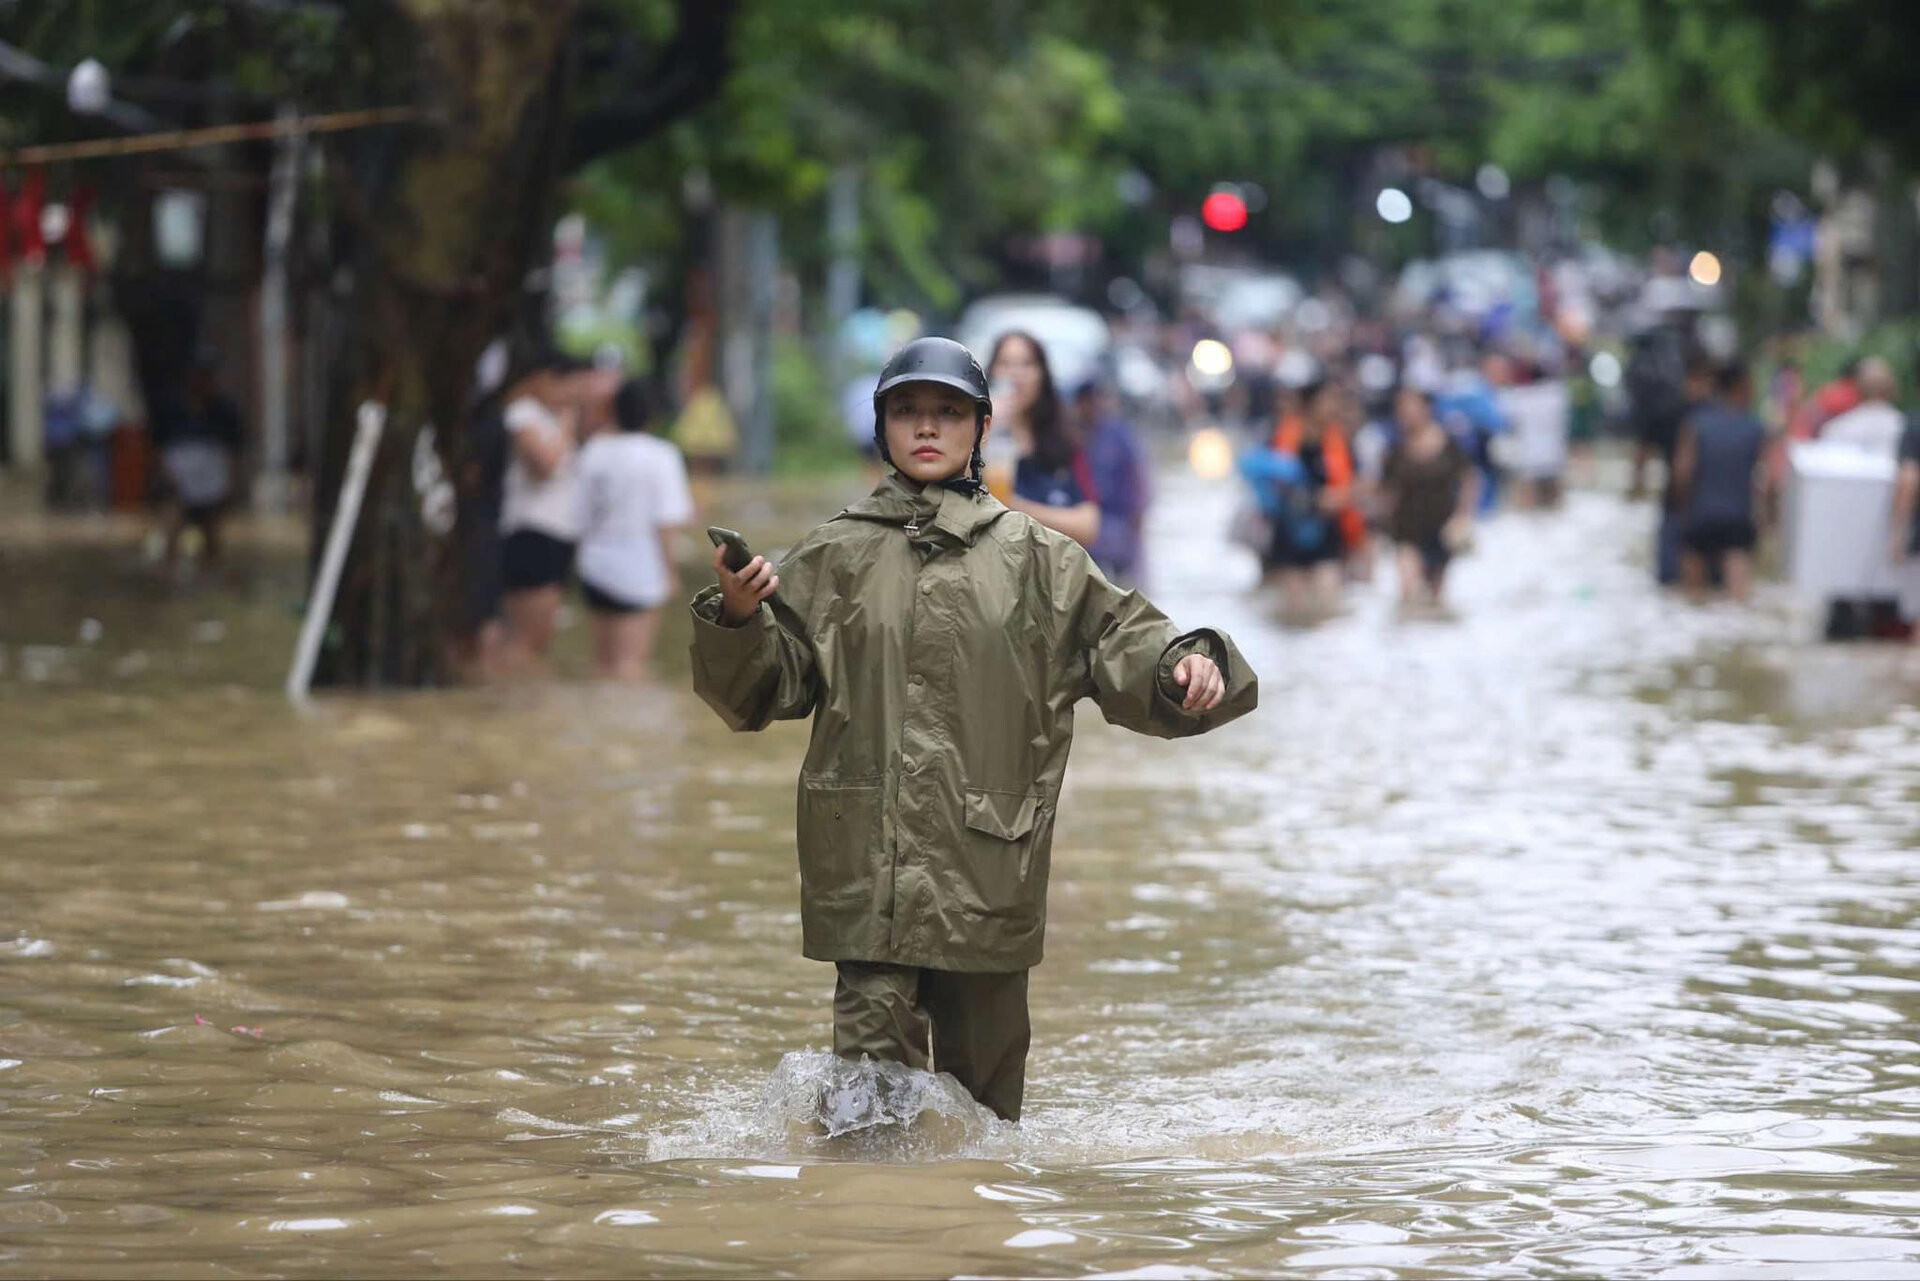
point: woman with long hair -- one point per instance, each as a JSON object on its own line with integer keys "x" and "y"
{"x": 1051, "y": 482}
{"x": 541, "y": 512}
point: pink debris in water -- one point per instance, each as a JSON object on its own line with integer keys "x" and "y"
{"x": 257, "y": 1033}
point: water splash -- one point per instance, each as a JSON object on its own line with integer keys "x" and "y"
{"x": 819, "y": 1106}
{"x": 839, "y": 1097}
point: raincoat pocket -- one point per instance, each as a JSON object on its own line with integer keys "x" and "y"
{"x": 994, "y": 874}
{"x": 840, "y": 835}
{"x": 1007, "y": 815}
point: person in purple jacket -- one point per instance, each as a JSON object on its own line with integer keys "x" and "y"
{"x": 1118, "y": 464}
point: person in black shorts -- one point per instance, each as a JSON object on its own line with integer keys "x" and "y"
{"x": 548, "y": 414}
{"x": 1717, "y": 476}
{"x": 637, "y": 501}
{"x": 1308, "y": 544}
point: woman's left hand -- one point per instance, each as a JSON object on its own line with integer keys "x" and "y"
{"x": 1200, "y": 677}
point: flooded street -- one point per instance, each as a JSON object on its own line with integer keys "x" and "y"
{"x": 1575, "y": 936}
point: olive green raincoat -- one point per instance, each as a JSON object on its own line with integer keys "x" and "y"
{"x": 940, "y": 642}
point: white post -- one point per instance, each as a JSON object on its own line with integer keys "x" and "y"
{"x": 65, "y": 341}
{"x": 366, "y": 441}
{"x": 110, "y": 366}
{"x": 26, "y": 387}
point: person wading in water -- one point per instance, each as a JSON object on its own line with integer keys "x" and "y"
{"x": 940, "y": 642}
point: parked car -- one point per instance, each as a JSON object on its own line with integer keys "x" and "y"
{"x": 1076, "y": 339}
{"x": 1473, "y": 282}
{"x": 1240, "y": 298}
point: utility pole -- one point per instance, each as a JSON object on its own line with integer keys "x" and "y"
{"x": 24, "y": 359}
{"x": 283, "y": 183}
{"x": 843, "y": 271}
{"x": 763, "y": 279}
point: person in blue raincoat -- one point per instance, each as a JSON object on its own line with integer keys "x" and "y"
{"x": 1470, "y": 413}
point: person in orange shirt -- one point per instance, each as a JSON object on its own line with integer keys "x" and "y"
{"x": 1323, "y": 523}
{"x": 1832, "y": 400}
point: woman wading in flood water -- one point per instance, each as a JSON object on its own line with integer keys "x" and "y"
{"x": 940, "y": 642}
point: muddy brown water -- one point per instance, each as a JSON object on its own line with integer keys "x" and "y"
{"x": 1575, "y": 936}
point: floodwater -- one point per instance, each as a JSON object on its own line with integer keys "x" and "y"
{"x": 1574, "y": 936}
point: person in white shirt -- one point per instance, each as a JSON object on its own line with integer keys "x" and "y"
{"x": 1875, "y": 423}
{"x": 540, "y": 513}
{"x": 1540, "y": 409}
{"x": 636, "y": 501}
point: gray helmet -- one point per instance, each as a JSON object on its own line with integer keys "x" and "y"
{"x": 934, "y": 360}
{"x": 943, "y": 361}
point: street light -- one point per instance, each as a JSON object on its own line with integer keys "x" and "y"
{"x": 89, "y": 88}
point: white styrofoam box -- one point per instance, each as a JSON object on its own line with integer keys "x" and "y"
{"x": 1839, "y": 502}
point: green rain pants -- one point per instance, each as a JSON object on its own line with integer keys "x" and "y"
{"x": 976, "y": 1023}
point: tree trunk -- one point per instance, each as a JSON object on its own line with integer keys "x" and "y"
{"x": 442, "y": 248}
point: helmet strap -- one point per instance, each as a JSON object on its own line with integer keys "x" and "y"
{"x": 969, "y": 484}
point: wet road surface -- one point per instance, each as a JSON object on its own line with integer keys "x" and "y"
{"x": 1573, "y": 936}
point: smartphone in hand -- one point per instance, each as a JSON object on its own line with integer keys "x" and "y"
{"x": 738, "y": 553}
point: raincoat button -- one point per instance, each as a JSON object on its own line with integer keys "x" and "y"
{"x": 925, "y": 588}
{"x": 909, "y": 765}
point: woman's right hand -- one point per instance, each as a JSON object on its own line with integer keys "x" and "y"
{"x": 741, "y": 593}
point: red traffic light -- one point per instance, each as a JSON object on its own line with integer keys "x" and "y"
{"x": 1224, "y": 211}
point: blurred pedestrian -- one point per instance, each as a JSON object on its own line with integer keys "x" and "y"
{"x": 1718, "y": 476}
{"x": 940, "y": 642}
{"x": 541, "y": 512}
{"x": 477, "y": 653}
{"x": 1468, "y": 409}
{"x": 637, "y": 500}
{"x": 1051, "y": 480}
{"x": 1356, "y": 539}
{"x": 1830, "y": 401}
{"x": 1787, "y": 388}
{"x": 1538, "y": 405}
{"x": 1875, "y": 423}
{"x": 1696, "y": 392}
{"x": 1431, "y": 490}
{"x": 1310, "y": 541}
{"x": 1904, "y": 536}
{"x": 1120, "y": 470}
{"x": 199, "y": 434}
{"x": 1779, "y": 408}
{"x": 1656, "y": 378}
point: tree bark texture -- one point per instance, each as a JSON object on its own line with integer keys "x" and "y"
{"x": 448, "y": 217}
{"x": 444, "y": 232}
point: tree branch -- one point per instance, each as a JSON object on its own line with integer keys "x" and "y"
{"x": 687, "y": 73}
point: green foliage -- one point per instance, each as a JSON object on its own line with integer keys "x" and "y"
{"x": 1897, "y": 342}
{"x": 808, "y": 434}
{"x": 585, "y": 339}
{"x": 976, "y": 125}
